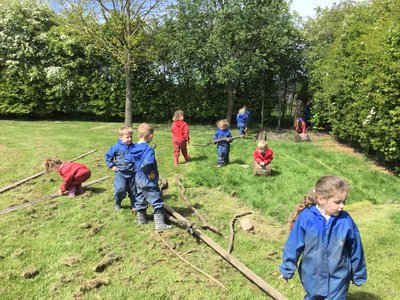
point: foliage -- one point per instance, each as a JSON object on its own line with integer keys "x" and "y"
{"x": 354, "y": 64}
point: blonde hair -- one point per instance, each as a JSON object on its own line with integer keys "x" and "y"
{"x": 145, "y": 130}
{"x": 223, "y": 122}
{"x": 125, "y": 130}
{"x": 327, "y": 187}
{"x": 50, "y": 163}
{"x": 178, "y": 115}
{"x": 262, "y": 144}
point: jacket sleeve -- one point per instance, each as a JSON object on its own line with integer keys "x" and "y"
{"x": 110, "y": 156}
{"x": 256, "y": 156}
{"x": 359, "y": 268}
{"x": 68, "y": 176}
{"x": 185, "y": 132}
{"x": 294, "y": 247}
{"x": 148, "y": 162}
{"x": 269, "y": 156}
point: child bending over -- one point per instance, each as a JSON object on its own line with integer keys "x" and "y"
{"x": 180, "y": 136}
{"x": 73, "y": 175}
{"x": 223, "y": 147}
{"x": 329, "y": 242}
{"x": 143, "y": 156}
{"x": 262, "y": 158}
{"x": 124, "y": 174}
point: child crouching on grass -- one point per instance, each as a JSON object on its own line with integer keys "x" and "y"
{"x": 328, "y": 241}
{"x": 74, "y": 174}
{"x": 146, "y": 178}
{"x": 262, "y": 158}
{"x": 223, "y": 147}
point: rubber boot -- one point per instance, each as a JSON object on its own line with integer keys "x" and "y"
{"x": 159, "y": 220}
{"x": 141, "y": 217}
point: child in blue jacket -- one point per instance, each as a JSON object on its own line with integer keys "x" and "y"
{"x": 329, "y": 242}
{"x": 242, "y": 119}
{"x": 223, "y": 147}
{"x": 124, "y": 178}
{"x": 146, "y": 178}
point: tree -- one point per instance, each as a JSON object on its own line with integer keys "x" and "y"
{"x": 118, "y": 27}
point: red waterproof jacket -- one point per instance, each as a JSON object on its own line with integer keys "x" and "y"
{"x": 180, "y": 131}
{"x": 69, "y": 171}
{"x": 301, "y": 126}
{"x": 266, "y": 157}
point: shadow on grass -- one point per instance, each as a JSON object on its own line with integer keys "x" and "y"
{"x": 239, "y": 162}
{"x": 198, "y": 158}
{"x": 186, "y": 212}
{"x": 95, "y": 190}
{"x": 362, "y": 296}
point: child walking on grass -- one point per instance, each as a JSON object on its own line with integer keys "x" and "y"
{"x": 329, "y": 242}
{"x": 180, "y": 136}
{"x": 242, "y": 119}
{"x": 73, "y": 174}
{"x": 223, "y": 147}
{"x": 262, "y": 158}
{"x": 143, "y": 156}
{"x": 124, "y": 174}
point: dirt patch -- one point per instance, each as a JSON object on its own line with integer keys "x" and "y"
{"x": 108, "y": 260}
{"x": 71, "y": 260}
{"x": 30, "y": 272}
{"x": 90, "y": 285}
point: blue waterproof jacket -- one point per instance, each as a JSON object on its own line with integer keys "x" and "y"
{"x": 332, "y": 254}
{"x": 220, "y": 134}
{"x": 115, "y": 156}
{"x": 242, "y": 119}
{"x": 143, "y": 156}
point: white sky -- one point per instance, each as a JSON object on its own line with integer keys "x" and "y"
{"x": 306, "y": 7}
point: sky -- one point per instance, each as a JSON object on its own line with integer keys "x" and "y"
{"x": 306, "y": 7}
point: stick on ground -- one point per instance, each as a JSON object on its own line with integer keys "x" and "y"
{"x": 39, "y": 174}
{"x": 190, "y": 264}
{"x": 232, "y": 229}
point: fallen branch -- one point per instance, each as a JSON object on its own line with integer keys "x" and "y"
{"x": 249, "y": 274}
{"x": 51, "y": 196}
{"x": 232, "y": 229}
{"x": 204, "y": 223}
{"x": 190, "y": 264}
{"x": 229, "y": 139}
{"x": 39, "y": 174}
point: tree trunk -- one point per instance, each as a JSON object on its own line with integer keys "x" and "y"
{"x": 128, "y": 91}
{"x": 262, "y": 112}
{"x": 231, "y": 101}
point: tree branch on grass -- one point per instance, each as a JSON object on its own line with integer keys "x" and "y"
{"x": 232, "y": 229}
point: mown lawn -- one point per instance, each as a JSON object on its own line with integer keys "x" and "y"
{"x": 82, "y": 248}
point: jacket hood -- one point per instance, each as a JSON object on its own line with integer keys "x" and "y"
{"x": 138, "y": 149}
{"x": 178, "y": 123}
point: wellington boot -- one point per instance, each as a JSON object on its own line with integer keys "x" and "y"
{"x": 141, "y": 217}
{"x": 159, "y": 220}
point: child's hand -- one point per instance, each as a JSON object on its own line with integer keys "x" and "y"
{"x": 114, "y": 168}
{"x": 60, "y": 192}
{"x": 284, "y": 279}
{"x": 152, "y": 175}
{"x": 262, "y": 163}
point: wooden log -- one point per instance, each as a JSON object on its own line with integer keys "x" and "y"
{"x": 39, "y": 174}
{"x": 249, "y": 274}
{"x": 51, "y": 196}
{"x": 219, "y": 140}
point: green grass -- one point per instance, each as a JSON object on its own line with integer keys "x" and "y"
{"x": 87, "y": 231}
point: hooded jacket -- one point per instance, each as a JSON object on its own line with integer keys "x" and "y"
{"x": 242, "y": 119}
{"x": 70, "y": 170}
{"x": 332, "y": 254}
{"x": 180, "y": 131}
{"x": 220, "y": 134}
{"x": 143, "y": 157}
{"x": 115, "y": 156}
{"x": 266, "y": 157}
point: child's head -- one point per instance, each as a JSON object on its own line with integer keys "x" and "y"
{"x": 262, "y": 145}
{"x": 145, "y": 132}
{"x": 178, "y": 115}
{"x": 242, "y": 110}
{"x": 223, "y": 124}
{"x": 329, "y": 193}
{"x": 51, "y": 164}
{"x": 125, "y": 135}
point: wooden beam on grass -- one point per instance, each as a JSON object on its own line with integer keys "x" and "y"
{"x": 51, "y": 196}
{"x": 39, "y": 174}
{"x": 249, "y": 274}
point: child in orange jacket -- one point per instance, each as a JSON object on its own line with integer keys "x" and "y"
{"x": 180, "y": 136}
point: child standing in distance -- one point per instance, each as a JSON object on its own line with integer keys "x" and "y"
{"x": 143, "y": 156}
{"x": 329, "y": 242}
{"x": 262, "y": 158}
{"x": 223, "y": 147}
{"x": 73, "y": 174}
{"x": 180, "y": 136}
{"x": 124, "y": 174}
{"x": 242, "y": 119}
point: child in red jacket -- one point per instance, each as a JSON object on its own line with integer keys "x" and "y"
{"x": 262, "y": 158}
{"x": 73, "y": 175}
{"x": 180, "y": 136}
